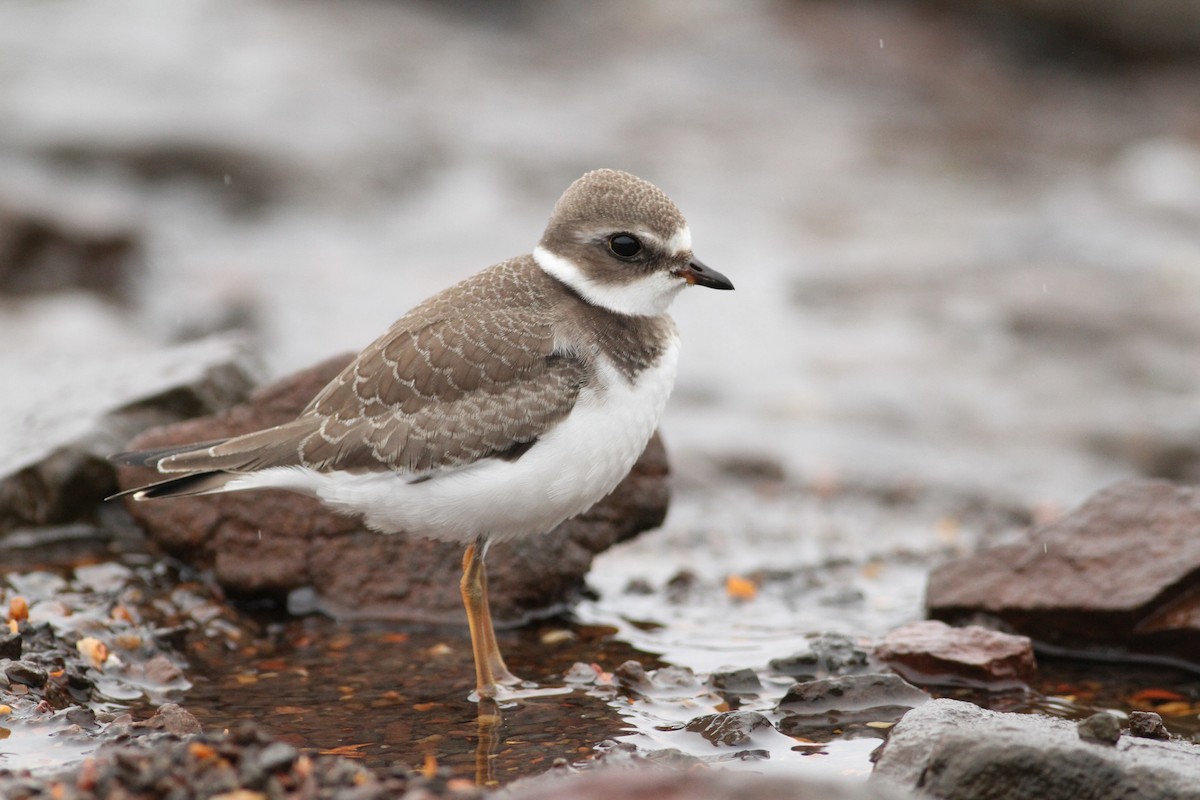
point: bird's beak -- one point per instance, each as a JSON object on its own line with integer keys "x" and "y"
{"x": 697, "y": 274}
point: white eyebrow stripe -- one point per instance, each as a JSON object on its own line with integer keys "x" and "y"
{"x": 680, "y": 241}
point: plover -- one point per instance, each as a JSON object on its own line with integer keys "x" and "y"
{"x": 497, "y": 408}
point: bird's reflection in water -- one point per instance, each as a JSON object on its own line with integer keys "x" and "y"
{"x": 489, "y": 724}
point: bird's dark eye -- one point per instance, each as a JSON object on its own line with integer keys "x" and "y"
{"x": 624, "y": 246}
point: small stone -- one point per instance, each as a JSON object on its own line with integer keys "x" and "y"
{"x": 580, "y": 674}
{"x": 851, "y": 693}
{"x": 1103, "y": 727}
{"x": 736, "y": 681}
{"x": 10, "y": 646}
{"x": 1147, "y": 725}
{"x": 277, "y": 756}
{"x": 85, "y": 718}
{"x": 930, "y": 652}
{"x": 828, "y": 654}
{"x": 632, "y": 674}
{"x": 730, "y": 729}
{"x": 171, "y": 718}
{"x": 26, "y": 674}
{"x": 639, "y": 586}
{"x": 681, "y": 586}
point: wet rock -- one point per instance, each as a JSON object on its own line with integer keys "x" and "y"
{"x": 681, "y": 586}
{"x": 1147, "y": 725}
{"x": 632, "y": 675}
{"x": 1102, "y": 727}
{"x": 10, "y": 646}
{"x": 931, "y": 652}
{"x": 1151, "y": 27}
{"x": 737, "y": 681}
{"x": 27, "y": 674}
{"x": 75, "y": 412}
{"x": 694, "y": 784}
{"x": 244, "y": 763}
{"x": 849, "y": 706}
{"x": 1136, "y": 539}
{"x": 83, "y": 718}
{"x": 50, "y": 252}
{"x": 728, "y": 729}
{"x": 828, "y": 654}
{"x": 272, "y": 542}
{"x": 170, "y": 718}
{"x": 955, "y": 751}
{"x": 851, "y": 693}
{"x": 277, "y": 756}
{"x": 675, "y": 682}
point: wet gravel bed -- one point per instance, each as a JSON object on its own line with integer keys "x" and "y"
{"x": 243, "y": 763}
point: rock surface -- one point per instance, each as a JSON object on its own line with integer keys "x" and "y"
{"x": 658, "y": 784}
{"x": 931, "y": 652}
{"x": 168, "y": 756}
{"x": 71, "y": 413}
{"x": 827, "y": 655}
{"x": 52, "y": 251}
{"x": 1148, "y": 27}
{"x": 957, "y": 751}
{"x": 865, "y": 703}
{"x": 272, "y": 542}
{"x": 1123, "y": 570}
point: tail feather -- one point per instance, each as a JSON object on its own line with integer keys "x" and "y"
{"x": 274, "y": 447}
{"x": 182, "y": 486}
{"x": 150, "y": 458}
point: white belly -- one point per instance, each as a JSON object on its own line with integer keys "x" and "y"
{"x": 566, "y": 472}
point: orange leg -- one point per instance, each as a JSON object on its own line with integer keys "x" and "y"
{"x": 490, "y": 671}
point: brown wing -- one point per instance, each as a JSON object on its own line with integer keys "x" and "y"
{"x": 458, "y": 379}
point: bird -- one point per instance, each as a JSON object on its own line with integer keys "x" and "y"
{"x": 495, "y": 409}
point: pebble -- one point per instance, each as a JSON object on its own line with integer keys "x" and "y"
{"x": 1147, "y": 725}
{"x": 10, "y": 646}
{"x": 1104, "y": 728}
{"x": 828, "y": 654}
{"x": 729, "y": 729}
{"x": 27, "y": 674}
{"x": 736, "y": 681}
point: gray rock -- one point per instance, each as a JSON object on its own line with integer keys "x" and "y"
{"x": 27, "y": 674}
{"x": 729, "y": 729}
{"x": 1102, "y": 727}
{"x": 849, "y": 706}
{"x": 736, "y": 681}
{"x": 10, "y": 646}
{"x": 828, "y": 654}
{"x": 957, "y": 751}
{"x": 851, "y": 693}
{"x": 72, "y": 413}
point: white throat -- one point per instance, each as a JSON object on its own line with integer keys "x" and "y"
{"x": 647, "y": 296}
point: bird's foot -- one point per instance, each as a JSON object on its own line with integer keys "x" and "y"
{"x": 514, "y": 690}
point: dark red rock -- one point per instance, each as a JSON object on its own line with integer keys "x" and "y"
{"x": 1123, "y": 569}
{"x": 40, "y": 252}
{"x": 270, "y": 542}
{"x": 694, "y": 784}
{"x": 931, "y": 652}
